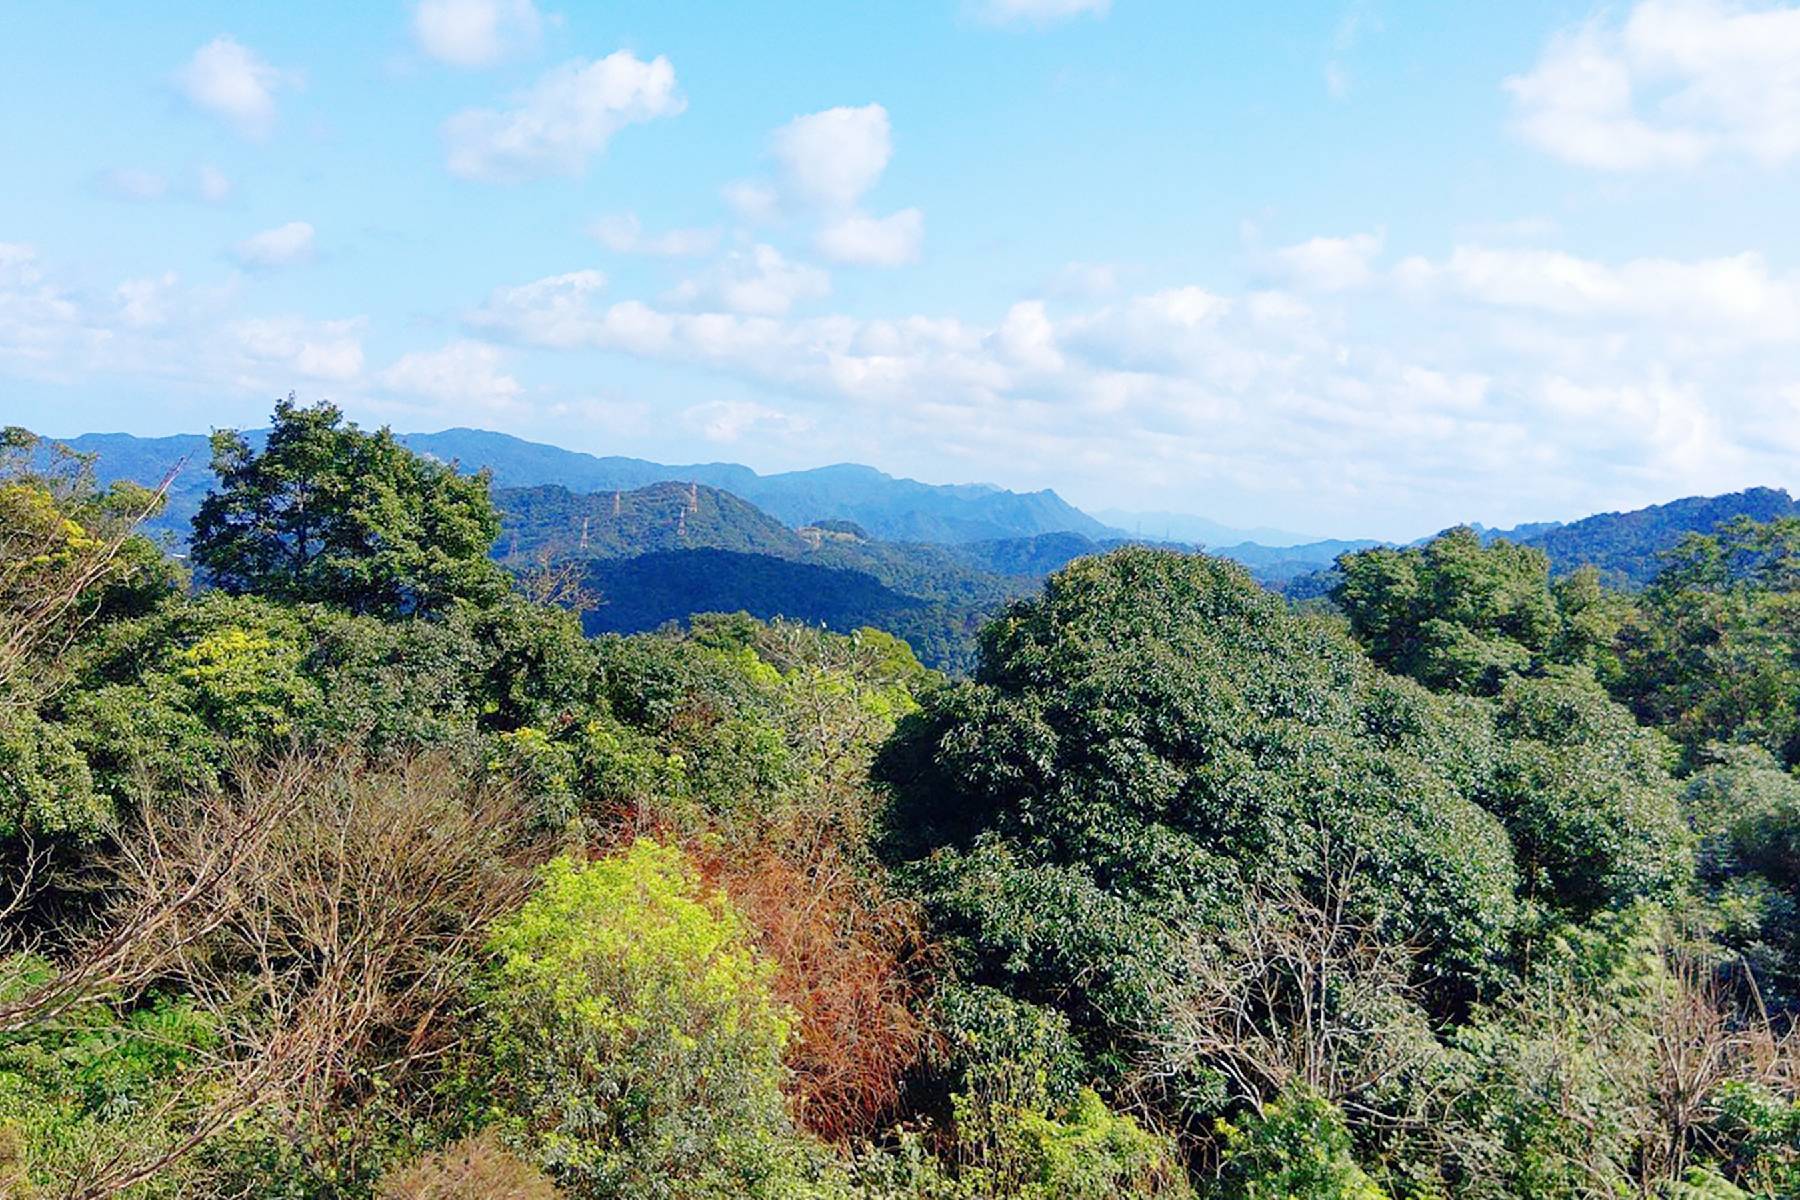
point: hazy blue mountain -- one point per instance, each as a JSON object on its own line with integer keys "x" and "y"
{"x": 887, "y": 507}
{"x": 1185, "y": 527}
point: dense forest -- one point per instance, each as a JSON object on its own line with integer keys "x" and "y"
{"x": 340, "y": 862}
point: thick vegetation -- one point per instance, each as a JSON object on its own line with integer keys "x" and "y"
{"x": 351, "y": 868}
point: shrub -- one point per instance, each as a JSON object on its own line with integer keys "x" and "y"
{"x": 1295, "y": 1149}
{"x": 634, "y": 1044}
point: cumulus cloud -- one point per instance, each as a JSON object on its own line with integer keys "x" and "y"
{"x": 475, "y": 33}
{"x": 760, "y": 280}
{"x": 1330, "y": 264}
{"x": 831, "y": 158}
{"x": 555, "y": 311}
{"x": 563, "y": 120}
{"x": 323, "y": 350}
{"x": 623, "y": 233}
{"x": 1035, "y": 12}
{"x": 1447, "y": 388}
{"x": 232, "y": 82}
{"x": 281, "y": 246}
{"x": 1673, "y": 84}
{"x": 826, "y": 163}
{"x": 863, "y": 241}
{"x": 463, "y": 372}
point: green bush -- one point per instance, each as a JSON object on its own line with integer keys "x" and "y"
{"x": 1296, "y": 1149}
{"x": 634, "y": 1047}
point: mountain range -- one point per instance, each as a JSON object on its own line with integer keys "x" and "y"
{"x": 886, "y": 506}
{"x": 848, "y": 545}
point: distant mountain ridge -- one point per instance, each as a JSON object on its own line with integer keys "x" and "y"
{"x": 890, "y": 508}
{"x": 1626, "y": 546}
{"x": 887, "y": 507}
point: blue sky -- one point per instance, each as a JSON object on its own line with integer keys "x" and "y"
{"x": 1355, "y": 268}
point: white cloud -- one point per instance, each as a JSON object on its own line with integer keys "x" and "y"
{"x": 565, "y": 119}
{"x": 623, "y": 233}
{"x": 1330, "y": 264}
{"x": 130, "y": 183}
{"x": 1491, "y": 384}
{"x": 212, "y": 185}
{"x": 38, "y": 320}
{"x": 462, "y": 372}
{"x": 232, "y": 82}
{"x": 831, "y": 158}
{"x": 281, "y": 246}
{"x": 475, "y": 33}
{"x": 864, "y": 241}
{"x": 1676, "y": 83}
{"x": 752, "y": 200}
{"x": 322, "y": 350}
{"x": 1734, "y": 298}
{"x": 729, "y": 420}
{"x": 144, "y": 303}
{"x": 554, "y": 311}
{"x": 1035, "y": 12}
{"x": 827, "y": 162}
{"x": 759, "y": 281}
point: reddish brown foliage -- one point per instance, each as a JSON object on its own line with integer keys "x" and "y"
{"x": 851, "y": 963}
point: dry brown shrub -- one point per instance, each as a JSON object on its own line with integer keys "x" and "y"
{"x": 850, "y": 964}
{"x": 476, "y": 1168}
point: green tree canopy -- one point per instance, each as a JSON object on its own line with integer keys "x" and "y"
{"x": 330, "y": 513}
{"x": 1715, "y": 656}
{"x": 1453, "y": 614}
{"x": 1149, "y": 736}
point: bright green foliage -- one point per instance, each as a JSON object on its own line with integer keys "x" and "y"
{"x": 1296, "y": 1148}
{"x": 48, "y": 790}
{"x": 1453, "y": 614}
{"x": 68, "y": 555}
{"x": 1150, "y": 731}
{"x": 95, "y": 1088}
{"x": 1584, "y": 793}
{"x": 633, "y": 1043}
{"x": 1716, "y": 655}
{"x": 329, "y": 513}
{"x": 1087, "y": 1153}
{"x": 1702, "y": 1184}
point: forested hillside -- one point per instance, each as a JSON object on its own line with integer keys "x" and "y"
{"x": 356, "y": 870}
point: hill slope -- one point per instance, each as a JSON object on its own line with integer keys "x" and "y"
{"x": 661, "y": 517}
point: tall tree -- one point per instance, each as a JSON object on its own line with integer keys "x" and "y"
{"x": 328, "y": 512}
